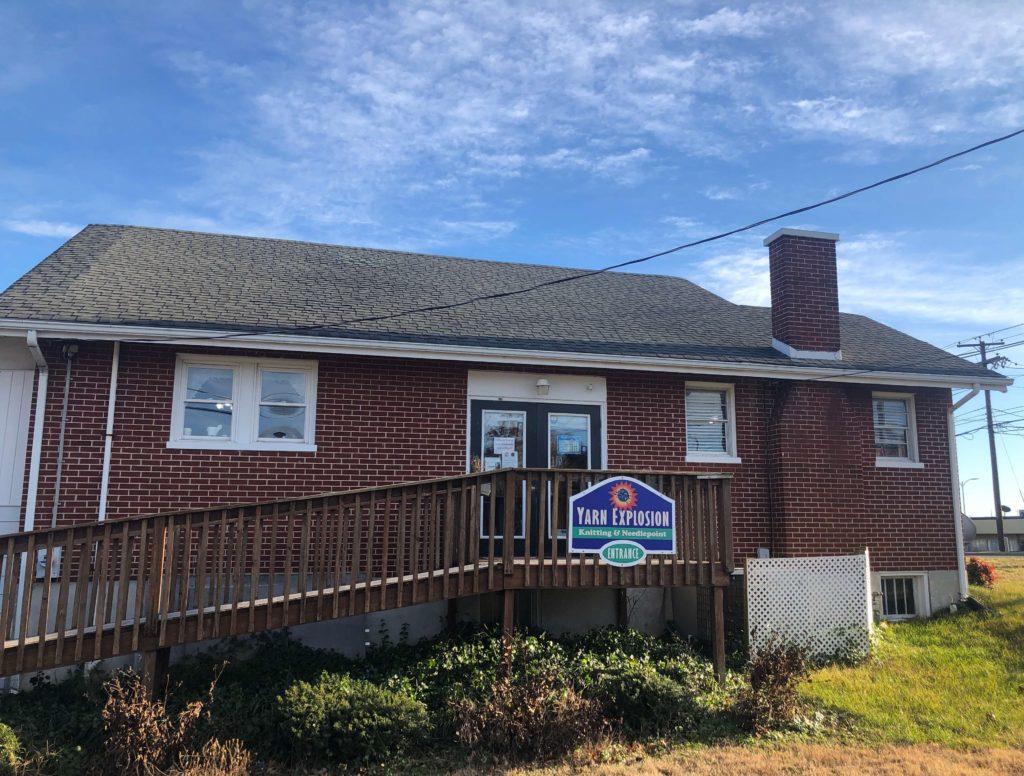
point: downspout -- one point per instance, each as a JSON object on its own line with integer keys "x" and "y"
{"x": 954, "y": 472}
{"x": 37, "y": 430}
{"x": 69, "y": 353}
{"x": 108, "y": 434}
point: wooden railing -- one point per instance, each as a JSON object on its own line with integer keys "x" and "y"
{"x": 102, "y": 589}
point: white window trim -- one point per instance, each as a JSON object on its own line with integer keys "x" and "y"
{"x": 921, "y": 597}
{"x": 913, "y": 461}
{"x": 245, "y": 418}
{"x": 730, "y": 455}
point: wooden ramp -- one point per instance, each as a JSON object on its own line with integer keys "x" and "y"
{"x": 143, "y": 584}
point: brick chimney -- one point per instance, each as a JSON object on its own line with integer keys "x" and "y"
{"x": 805, "y": 294}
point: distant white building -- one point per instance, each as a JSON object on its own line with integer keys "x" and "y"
{"x": 986, "y": 539}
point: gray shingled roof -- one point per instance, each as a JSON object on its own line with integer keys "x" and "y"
{"x": 164, "y": 277}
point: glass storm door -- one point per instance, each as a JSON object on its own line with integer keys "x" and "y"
{"x": 508, "y": 434}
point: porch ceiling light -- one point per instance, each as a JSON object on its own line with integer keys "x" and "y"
{"x": 543, "y": 386}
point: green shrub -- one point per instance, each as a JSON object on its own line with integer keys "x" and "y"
{"x": 456, "y": 668}
{"x": 10, "y": 750}
{"x": 250, "y": 674}
{"x": 642, "y": 702}
{"x": 59, "y": 722}
{"x": 346, "y": 720}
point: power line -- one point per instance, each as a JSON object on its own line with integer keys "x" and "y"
{"x": 622, "y": 264}
{"x": 1013, "y": 470}
{"x": 954, "y": 343}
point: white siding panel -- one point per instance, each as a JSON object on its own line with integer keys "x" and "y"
{"x": 15, "y": 410}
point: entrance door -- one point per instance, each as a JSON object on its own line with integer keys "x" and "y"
{"x": 509, "y": 434}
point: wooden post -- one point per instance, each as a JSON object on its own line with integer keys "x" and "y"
{"x": 718, "y": 632}
{"x": 154, "y": 670}
{"x": 508, "y": 619}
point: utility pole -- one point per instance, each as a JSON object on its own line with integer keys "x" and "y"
{"x": 985, "y": 361}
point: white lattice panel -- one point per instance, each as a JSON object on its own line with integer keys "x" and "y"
{"x": 823, "y": 604}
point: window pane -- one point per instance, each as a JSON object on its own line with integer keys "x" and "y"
{"x": 568, "y": 441}
{"x": 288, "y": 387}
{"x": 207, "y": 419}
{"x": 704, "y": 406}
{"x": 908, "y": 585}
{"x": 891, "y": 443}
{"x": 210, "y": 384}
{"x": 504, "y": 433}
{"x": 282, "y": 422}
{"x": 708, "y": 438}
{"x": 891, "y": 412}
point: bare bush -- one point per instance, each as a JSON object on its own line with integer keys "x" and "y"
{"x": 230, "y": 758}
{"x": 534, "y": 714}
{"x": 770, "y": 699}
{"x": 142, "y": 738}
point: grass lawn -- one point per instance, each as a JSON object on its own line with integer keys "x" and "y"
{"x": 956, "y": 681}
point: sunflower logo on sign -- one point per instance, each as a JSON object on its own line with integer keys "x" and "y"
{"x": 623, "y": 495}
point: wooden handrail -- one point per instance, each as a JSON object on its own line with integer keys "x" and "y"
{"x": 102, "y": 589}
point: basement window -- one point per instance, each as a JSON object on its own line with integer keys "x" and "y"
{"x": 243, "y": 404}
{"x": 710, "y": 423}
{"x": 893, "y": 416}
{"x": 903, "y": 597}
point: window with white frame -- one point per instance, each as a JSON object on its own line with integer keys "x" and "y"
{"x": 902, "y": 596}
{"x": 895, "y": 429}
{"x": 710, "y": 423}
{"x": 243, "y": 403}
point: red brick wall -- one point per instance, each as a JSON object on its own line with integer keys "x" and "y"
{"x": 805, "y": 292}
{"x": 387, "y": 420}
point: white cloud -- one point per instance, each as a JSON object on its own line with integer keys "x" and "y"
{"x": 39, "y": 228}
{"x": 755, "y": 22}
{"x": 847, "y": 117}
{"x": 364, "y": 113}
{"x": 952, "y": 45}
{"x": 719, "y": 193}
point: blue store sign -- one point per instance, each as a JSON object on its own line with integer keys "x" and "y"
{"x": 623, "y": 520}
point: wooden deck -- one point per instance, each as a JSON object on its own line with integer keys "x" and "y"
{"x": 144, "y": 584}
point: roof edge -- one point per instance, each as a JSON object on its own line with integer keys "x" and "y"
{"x": 385, "y": 348}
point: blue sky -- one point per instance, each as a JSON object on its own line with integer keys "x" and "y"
{"x": 575, "y": 134}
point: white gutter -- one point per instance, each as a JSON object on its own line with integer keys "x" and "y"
{"x": 519, "y": 356}
{"x": 954, "y": 472}
{"x": 37, "y": 429}
{"x": 108, "y": 435}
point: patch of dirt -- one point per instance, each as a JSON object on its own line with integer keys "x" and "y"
{"x": 810, "y": 760}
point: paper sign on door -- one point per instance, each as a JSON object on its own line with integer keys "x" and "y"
{"x": 504, "y": 445}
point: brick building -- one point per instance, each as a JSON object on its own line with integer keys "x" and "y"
{"x": 146, "y": 370}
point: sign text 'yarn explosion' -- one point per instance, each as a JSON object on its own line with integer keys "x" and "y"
{"x": 623, "y": 520}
